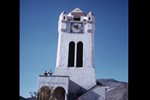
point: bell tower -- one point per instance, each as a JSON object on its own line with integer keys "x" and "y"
{"x": 75, "y": 51}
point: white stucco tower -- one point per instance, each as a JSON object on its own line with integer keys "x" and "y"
{"x": 75, "y": 52}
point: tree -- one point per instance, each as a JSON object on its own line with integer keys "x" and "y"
{"x": 46, "y": 93}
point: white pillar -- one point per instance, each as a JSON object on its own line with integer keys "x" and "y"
{"x": 66, "y": 96}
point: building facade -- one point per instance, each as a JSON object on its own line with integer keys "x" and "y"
{"x": 74, "y": 72}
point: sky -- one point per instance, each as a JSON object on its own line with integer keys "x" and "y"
{"x": 39, "y": 37}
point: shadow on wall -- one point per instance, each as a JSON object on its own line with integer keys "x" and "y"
{"x": 75, "y": 90}
{"x": 90, "y": 96}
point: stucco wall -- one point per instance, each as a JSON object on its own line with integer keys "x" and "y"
{"x": 53, "y": 81}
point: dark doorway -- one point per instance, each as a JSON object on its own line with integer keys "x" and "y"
{"x": 59, "y": 93}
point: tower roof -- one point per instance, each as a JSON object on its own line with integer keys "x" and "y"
{"x": 76, "y": 12}
{"x": 63, "y": 12}
{"x": 91, "y": 13}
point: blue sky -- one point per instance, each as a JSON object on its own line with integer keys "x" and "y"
{"x": 38, "y": 38}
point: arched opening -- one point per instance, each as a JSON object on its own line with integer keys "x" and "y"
{"x": 59, "y": 93}
{"x": 89, "y": 18}
{"x": 44, "y": 93}
{"x": 77, "y": 19}
{"x": 79, "y": 60}
{"x": 71, "y": 54}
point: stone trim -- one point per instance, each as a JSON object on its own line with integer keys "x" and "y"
{"x": 52, "y": 76}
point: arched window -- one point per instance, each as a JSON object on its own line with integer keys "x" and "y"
{"x": 79, "y": 59}
{"x": 89, "y": 18}
{"x": 71, "y": 54}
{"x": 64, "y": 17}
